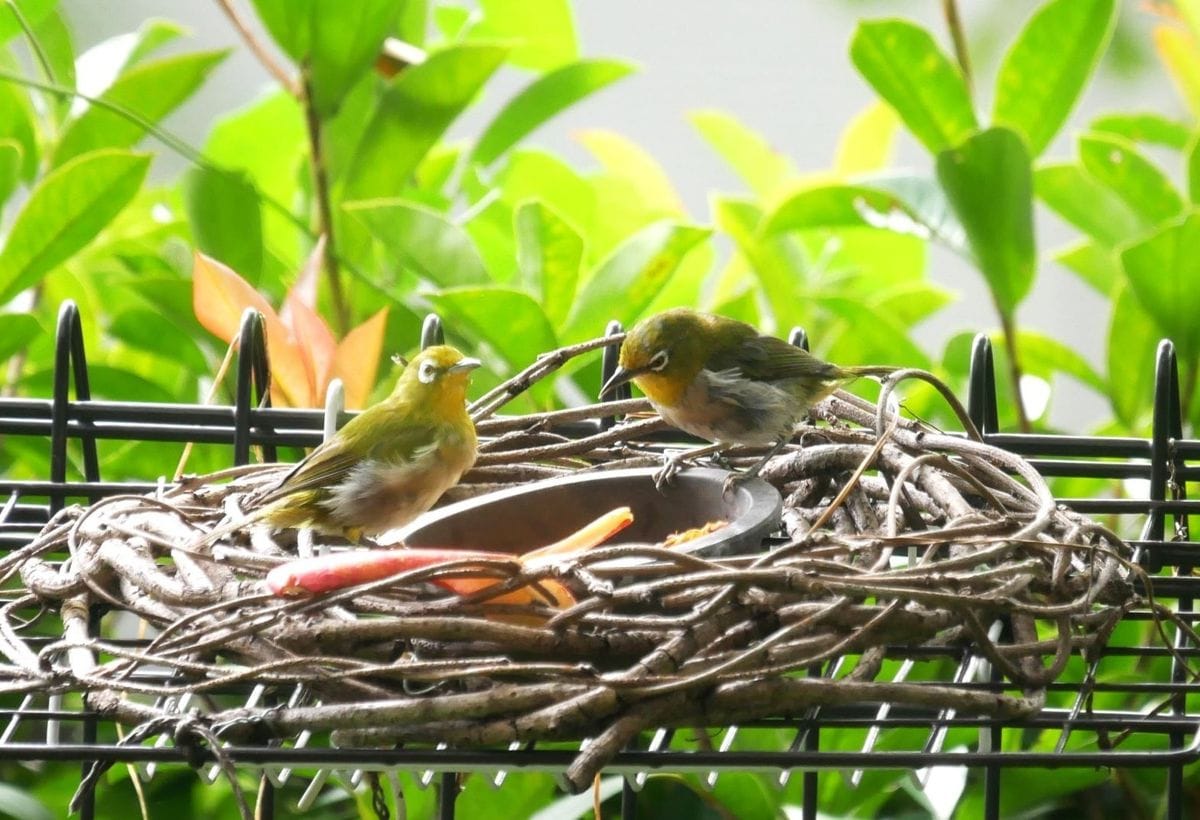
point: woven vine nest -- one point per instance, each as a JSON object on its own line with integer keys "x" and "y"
{"x": 895, "y": 535}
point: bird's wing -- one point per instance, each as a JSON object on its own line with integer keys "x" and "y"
{"x": 330, "y": 463}
{"x": 770, "y": 359}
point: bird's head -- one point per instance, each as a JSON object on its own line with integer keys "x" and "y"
{"x": 437, "y": 372}
{"x": 663, "y": 353}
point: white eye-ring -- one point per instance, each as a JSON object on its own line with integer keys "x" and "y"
{"x": 659, "y": 361}
{"x": 427, "y": 373}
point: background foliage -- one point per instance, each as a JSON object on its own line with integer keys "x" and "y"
{"x": 521, "y": 251}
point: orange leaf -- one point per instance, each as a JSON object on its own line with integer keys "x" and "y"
{"x": 220, "y": 297}
{"x": 314, "y": 344}
{"x": 357, "y": 359}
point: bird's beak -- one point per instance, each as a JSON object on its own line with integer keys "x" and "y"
{"x": 463, "y": 365}
{"x": 620, "y": 377}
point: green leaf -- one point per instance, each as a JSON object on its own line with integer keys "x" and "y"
{"x": 152, "y": 35}
{"x": 223, "y": 209}
{"x": 149, "y": 330}
{"x": 1145, "y": 126}
{"x": 423, "y": 240}
{"x": 510, "y": 321}
{"x": 543, "y": 29}
{"x": 549, "y": 253}
{"x": 867, "y": 334}
{"x": 540, "y": 175}
{"x": 759, "y": 165}
{"x": 1048, "y": 65}
{"x": 1177, "y": 48}
{"x": 906, "y": 68}
{"x": 32, "y": 10}
{"x": 1118, "y": 164}
{"x": 776, "y": 259}
{"x": 1193, "y": 171}
{"x": 344, "y": 41}
{"x": 415, "y": 110}
{"x": 65, "y": 211}
{"x": 625, "y": 160}
{"x": 830, "y": 206}
{"x": 867, "y": 141}
{"x": 632, "y": 275}
{"x": 1094, "y": 264}
{"x": 10, "y": 169}
{"x": 54, "y": 37}
{"x": 152, "y": 90}
{"x": 1089, "y": 205}
{"x": 18, "y": 330}
{"x": 911, "y": 302}
{"x": 17, "y": 123}
{"x": 542, "y": 99}
{"x": 289, "y": 23}
{"x": 1042, "y": 356}
{"x": 989, "y": 182}
{"x": 1132, "y": 340}
{"x": 1163, "y": 269}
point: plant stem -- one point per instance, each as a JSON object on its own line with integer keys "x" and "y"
{"x": 954, "y": 23}
{"x": 324, "y": 209}
{"x": 258, "y": 49}
{"x": 1014, "y": 369}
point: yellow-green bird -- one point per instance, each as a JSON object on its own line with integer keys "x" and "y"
{"x": 390, "y": 463}
{"x": 722, "y": 380}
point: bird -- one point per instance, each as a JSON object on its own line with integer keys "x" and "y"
{"x": 721, "y": 380}
{"x": 388, "y": 464}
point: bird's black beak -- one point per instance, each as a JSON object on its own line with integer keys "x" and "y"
{"x": 620, "y": 377}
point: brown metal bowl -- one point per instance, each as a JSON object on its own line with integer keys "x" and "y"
{"x": 531, "y": 516}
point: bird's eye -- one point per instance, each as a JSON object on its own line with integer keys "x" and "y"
{"x": 427, "y": 373}
{"x": 659, "y": 361}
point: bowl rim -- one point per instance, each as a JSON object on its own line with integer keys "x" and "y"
{"x": 764, "y": 511}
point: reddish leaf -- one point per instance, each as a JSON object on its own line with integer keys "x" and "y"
{"x": 357, "y": 359}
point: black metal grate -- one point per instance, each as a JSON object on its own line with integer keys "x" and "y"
{"x": 1074, "y": 728}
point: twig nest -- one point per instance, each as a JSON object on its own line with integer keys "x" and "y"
{"x": 900, "y": 542}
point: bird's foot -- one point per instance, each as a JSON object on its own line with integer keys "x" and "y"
{"x": 672, "y": 463}
{"x": 719, "y": 461}
{"x": 735, "y": 480}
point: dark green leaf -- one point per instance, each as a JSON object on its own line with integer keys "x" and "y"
{"x": 32, "y": 10}
{"x": 549, "y": 253}
{"x": 223, "y": 209}
{"x": 1132, "y": 340}
{"x": 1096, "y": 265}
{"x": 543, "y": 29}
{"x": 510, "y": 321}
{"x": 1048, "y": 65}
{"x": 65, "y": 211}
{"x": 1118, "y": 164}
{"x": 1163, "y": 269}
{"x": 632, "y": 275}
{"x": 152, "y": 90}
{"x": 423, "y": 240}
{"x": 17, "y": 123}
{"x": 148, "y": 329}
{"x": 10, "y": 169}
{"x": 542, "y": 99}
{"x": 759, "y": 165}
{"x": 989, "y": 182}
{"x": 1147, "y": 127}
{"x": 345, "y": 39}
{"x": 1079, "y": 198}
{"x": 418, "y": 106}
{"x": 904, "y": 65}
{"x": 16, "y": 331}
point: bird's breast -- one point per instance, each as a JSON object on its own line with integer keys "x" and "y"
{"x": 727, "y": 407}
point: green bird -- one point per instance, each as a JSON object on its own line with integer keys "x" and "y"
{"x": 722, "y": 380}
{"x": 389, "y": 464}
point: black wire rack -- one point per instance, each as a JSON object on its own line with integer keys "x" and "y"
{"x": 48, "y": 728}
